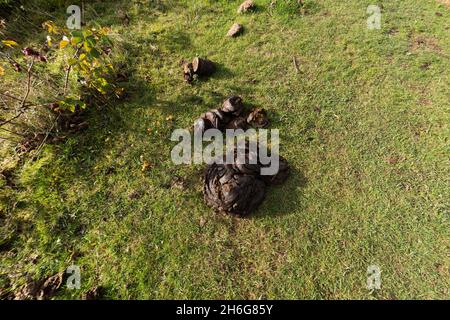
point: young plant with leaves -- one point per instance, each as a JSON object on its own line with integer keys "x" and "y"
{"x": 68, "y": 72}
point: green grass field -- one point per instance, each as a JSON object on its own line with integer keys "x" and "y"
{"x": 363, "y": 124}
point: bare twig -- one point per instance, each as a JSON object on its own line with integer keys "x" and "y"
{"x": 13, "y": 118}
{"x": 4, "y": 102}
{"x": 69, "y": 68}
{"x": 28, "y": 87}
{"x": 14, "y": 62}
{"x": 25, "y": 97}
{"x": 13, "y": 132}
{"x": 38, "y": 150}
{"x": 10, "y": 96}
{"x": 8, "y": 139}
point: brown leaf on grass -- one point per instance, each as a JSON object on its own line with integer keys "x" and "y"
{"x": 135, "y": 194}
{"x": 50, "y": 286}
{"x": 94, "y": 293}
{"x": 178, "y": 183}
{"x": 188, "y": 72}
{"x": 145, "y": 163}
{"x": 40, "y": 289}
{"x": 28, "y": 291}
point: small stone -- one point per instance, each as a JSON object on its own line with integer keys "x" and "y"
{"x": 235, "y": 30}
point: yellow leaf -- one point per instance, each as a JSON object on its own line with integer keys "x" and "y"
{"x": 96, "y": 63}
{"x": 145, "y": 165}
{"x": 63, "y": 44}
{"x": 50, "y": 27}
{"x": 75, "y": 40}
{"x": 119, "y": 92}
{"x": 169, "y": 118}
{"x": 2, "y": 71}
{"x": 9, "y": 43}
{"x": 103, "y": 31}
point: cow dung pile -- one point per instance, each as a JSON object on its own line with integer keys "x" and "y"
{"x": 237, "y": 188}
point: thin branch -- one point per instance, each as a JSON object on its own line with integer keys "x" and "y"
{"x": 13, "y": 132}
{"x": 8, "y": 139}
{"x": 69, "y": 68}
{"x": 10, "y": 96}
{"x": 28, "y": 88}
{"x": 38, "y": 150}
{"x": 13, "y": 118}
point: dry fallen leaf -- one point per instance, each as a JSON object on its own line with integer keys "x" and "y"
{"x": 145, "y": 165}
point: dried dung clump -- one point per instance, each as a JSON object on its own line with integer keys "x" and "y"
{"x": 230, "y": 191}
{"x": 246, "y": 6}
{"x": 258, "y": 118}
{"x": 232, "y": 116}
{"x": 226, "y": 117}
{"x": 235, "y": 30}
{"x": 198, "y": 67}
{"x": 239, "y": 188}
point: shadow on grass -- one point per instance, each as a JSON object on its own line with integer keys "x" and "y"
{"x": 222, "y": 72}
{"x": 283, "y": 199}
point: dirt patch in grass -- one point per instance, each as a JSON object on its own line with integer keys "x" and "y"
{"x": 422, "y": 42}
{"x": 445, "y": 2}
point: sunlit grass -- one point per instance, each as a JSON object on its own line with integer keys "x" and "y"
{"x": 363, "y": 125}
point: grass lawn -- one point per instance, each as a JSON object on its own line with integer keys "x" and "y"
{"x": 363, "y": 124}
